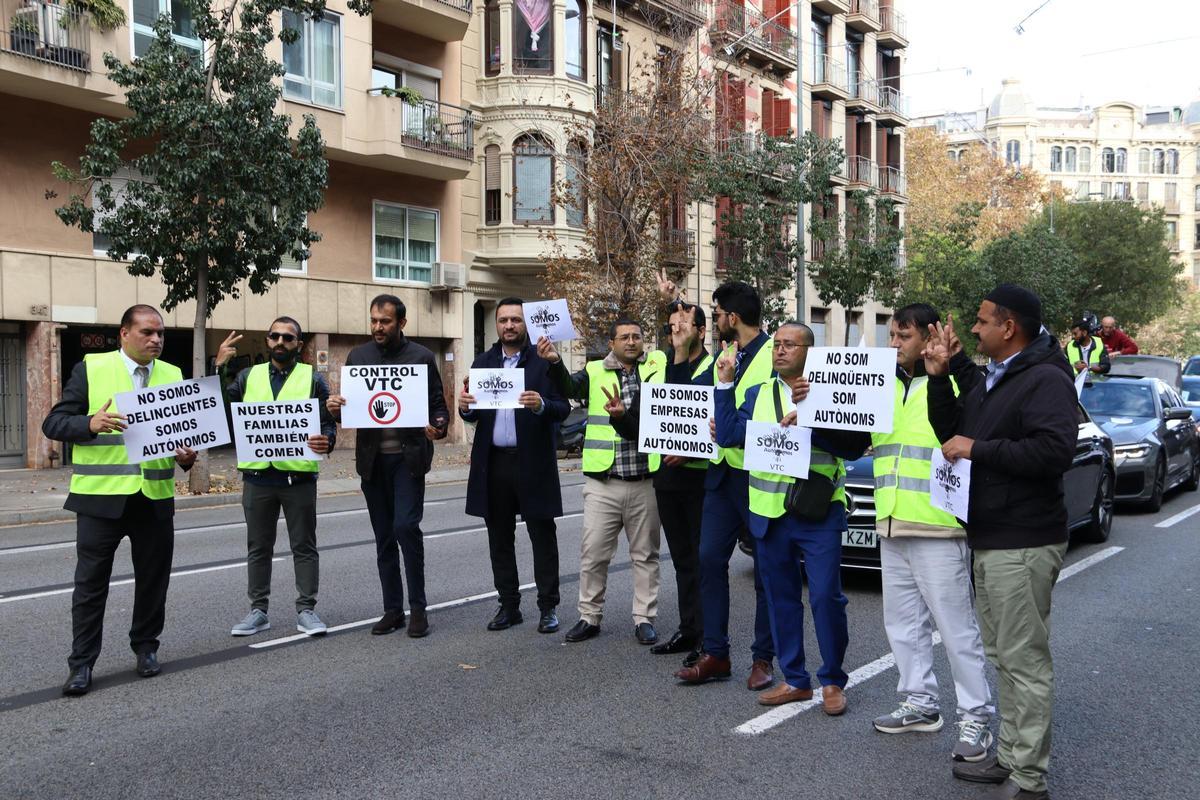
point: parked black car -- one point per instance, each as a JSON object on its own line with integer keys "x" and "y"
{"x": 1154, "y": 436}
{"x": 1191, "y": 395}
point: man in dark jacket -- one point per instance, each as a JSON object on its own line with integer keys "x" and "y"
{"x": 392, "y": 463}
{"x": 514, "y": 469}
{"x": 1018, "y": 427}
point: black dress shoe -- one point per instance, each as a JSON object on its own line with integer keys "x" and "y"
{"x": 390, "y": 621}
{"x": 548, "y": 623}
{"x": 78, "y": 682}
{"x": 582, "y": 631}
{"x": 678, "y": 643}
{"x": 644, "y": 633}
{"x": 147, "y": 665}
{"x": 505, "y": 618}
{"x": 418, "y": 624}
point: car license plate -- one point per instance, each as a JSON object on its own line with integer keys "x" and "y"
{"x": 858, "y": 537}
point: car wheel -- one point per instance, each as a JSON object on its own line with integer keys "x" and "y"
{"x": 1160, "y": 487}
{"x": 1100, "y": 526}
{"x": 1193, "y": 481}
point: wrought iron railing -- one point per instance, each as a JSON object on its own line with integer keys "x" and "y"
{"x": 862, "y": 170}
{"x": 461, "y": 5}
{"x": 439, "y": 128}
{"x": 863, "y": 87}
{"x": 678, "y": 246}
{"x": 892, "y": 181}
{"x": 892, "y": 22}
{"x": 866, "y": 8}
{"x": 825, "y": 70}
{"x": 732, "y": 21}
{"x": 48, "y": 32}
{"x": 892, "y": 101}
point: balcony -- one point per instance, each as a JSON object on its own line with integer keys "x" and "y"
{"x": 730, "y": 252}
{"x": 863, "y": 16}
{"x": 893, "y": 30}
{"x": 863, "y": 93}
{"x": 430, "y": 139}
{"x": 828, "y": 78}
{"x": 440, "y": 20}
{"x": 693, "y": 12}
{"x": 893, "y": 111}
{"x": 892, "y": 182}
{"x": 766, "y": 44}
{"x": 842, "y": 176}
{"x": 48, "y": 32}
{"x": 862, "y": 171}
{"x": 677, "y": 246}
{"x": 831, "y": 6}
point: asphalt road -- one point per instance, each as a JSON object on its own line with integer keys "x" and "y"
{"x": 466, "y": 713}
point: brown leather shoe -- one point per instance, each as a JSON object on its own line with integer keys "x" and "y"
{"x": 761, "y": 676}
{"x": 706, "y": 669}
{"x": 833, "y": 700}
{"x": 784, "y": 693}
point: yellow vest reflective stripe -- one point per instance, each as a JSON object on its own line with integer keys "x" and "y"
{"x": 298, "y": 386}
{"x": 705, "y": 363}
{"x": 600, "y": 437}
{"x": 1074, "y": 352}
{"x": 101, "y": 466}
{"x": 759, "y": 371}
{"x": 768, "y": 491}
{"x": 902, "y": 461}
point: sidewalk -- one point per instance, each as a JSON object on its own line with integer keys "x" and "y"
{"x": 29, "y": 496}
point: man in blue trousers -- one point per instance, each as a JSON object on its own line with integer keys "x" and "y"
{"x": 811, "y": 528}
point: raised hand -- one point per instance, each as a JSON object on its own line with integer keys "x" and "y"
{"x": 545, "y": 349}
{"x": 727, "y": 364}
{"x": 228, "y": 348}
{"x": 937, "y": 350}
{"x": 667, "y": 290}
{"x": 683, "y": 333}
{"x": 104, "y": 422}
{"x": 615, "y": 407}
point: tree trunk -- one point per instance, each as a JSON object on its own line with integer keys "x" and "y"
{"x": 198, "y": 478}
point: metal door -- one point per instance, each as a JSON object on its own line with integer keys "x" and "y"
{"x": 12, "y": 401}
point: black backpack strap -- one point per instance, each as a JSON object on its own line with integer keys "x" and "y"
{"x": 778, "y": 401}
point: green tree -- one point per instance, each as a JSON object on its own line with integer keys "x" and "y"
{"x": 765, "y": 180}
{"x": 219, "y": 190}
{"x": 1125, "y": 266}
{"x": 943, "y": 263}
{"x": 1041, "y": 262}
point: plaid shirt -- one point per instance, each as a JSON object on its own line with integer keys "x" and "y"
{"x": 628, "y": 462}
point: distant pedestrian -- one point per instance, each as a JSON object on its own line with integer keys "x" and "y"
{"x": 1116, "y": 341}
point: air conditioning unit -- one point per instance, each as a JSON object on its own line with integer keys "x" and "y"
{"x": 449, "y": 275}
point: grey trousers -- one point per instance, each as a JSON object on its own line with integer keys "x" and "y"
{"x": 262, "y": 505}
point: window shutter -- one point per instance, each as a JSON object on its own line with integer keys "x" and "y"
{"x": 491, "y": 166}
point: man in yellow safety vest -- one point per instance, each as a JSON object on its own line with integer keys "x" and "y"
{"x": 1085, "y": 351}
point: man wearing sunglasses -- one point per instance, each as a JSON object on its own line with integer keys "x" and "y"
{"x": 268, "y": 487}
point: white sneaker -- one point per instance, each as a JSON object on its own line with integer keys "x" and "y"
{"x": 308, "y": 622}
{"x": 909, "y": 718}
{"x": 255, "y": 622}
{"x": 974, "y": 739}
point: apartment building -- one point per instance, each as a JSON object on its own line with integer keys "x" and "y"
{"x": 533, "y": 68}
{"x": 1114, "y": 151}
{"x": 391, "y": 222}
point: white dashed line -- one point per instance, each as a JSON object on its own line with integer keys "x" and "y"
{"x": 1180, "y": 517}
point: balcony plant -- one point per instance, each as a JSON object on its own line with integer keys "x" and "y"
{"x": 23, "y": 33}
{"x": 105, "y": 14}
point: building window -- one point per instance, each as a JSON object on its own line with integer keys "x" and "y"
{"x": 1121, "y": 190}
{"x": 1069, "y": 160}
{"x": 882, "y": 331}
{"x": 120, "y": 179}
{"x": 1160, "y": 161}
{"x": 1012, "y": 153}
{"x": 1144, "y": 160}
{"x": 406, "y": 243}
{"x": 1170, "y": 198}
{"x": 1173, "y": 236}
{"x": 1122, "y": 161}
{"x": 491, "y": 184}
{"x": 1082, "y": 190}
{"x": 1085, "y": 159}
{"x": 286, "y": 262}
{"x": 1056, "y": 154}
{"x": 491, "y": 27}
{"x": 533, "y": 37}
{"x": 608, "y": 60}
{"x": 1196, "y": 201}
{"x": 1172, "y": 162}
{"x": 533, "y": 175}
{"x": 1143, "y": 191}
{"x": 1196, "y": 239}
{"x": 822, "y": 118}
{"x": 1106, "y": 190}
{"x": 952, "y": 155}
{"x": 576, "y": 40}
{"x": 575, "y": 172}
{"x": 313, "y": 63}
{"x": 1108, "y": 161}
{"x": 817, "y": 321}
{"x": 146, "y": 12}
{"x": 854, "y": 332}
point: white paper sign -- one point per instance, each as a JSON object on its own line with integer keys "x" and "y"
{"x": 852, "y": 388}
{"x": 774, "y": 448}
{"x": 950, "y": 484}
{"x": 1080, "y": 380}
{"x": 275, "y": 431}
{"x": 385, "y": 396}
{"x": 161, "y": 418}
{"x": 674, "y": 420}
{"x": 497, "y": 388}
{"x": 549, "y": 318}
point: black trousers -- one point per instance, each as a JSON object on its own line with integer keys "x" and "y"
{"x": 679, "y": 509}
{"x": 396, "y": 505}
{"x": 152, "y": 544}
{"x": 504, "y": 503}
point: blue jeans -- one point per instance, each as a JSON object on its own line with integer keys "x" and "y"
{"x": 396, "y": 504}
{"x": 726, "y": 512}
{"x": 780, "y": 551}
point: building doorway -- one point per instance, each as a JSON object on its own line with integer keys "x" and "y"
{"x": 12, "y": 400}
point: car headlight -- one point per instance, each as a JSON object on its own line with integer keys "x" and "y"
{"x": 1133, "y": 451}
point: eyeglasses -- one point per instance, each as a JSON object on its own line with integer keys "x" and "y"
{"x": 629, "y": 337}
{"x": 287, "y": 337}
{"x": 787, "y": 347}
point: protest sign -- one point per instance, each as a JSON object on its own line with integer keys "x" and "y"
{"x": 161, "y": 418}
{"x": 275, "y": 431}
{"x": 549, "y": 318}
{"x": 385, "y": 396}
{"x": 674, "y": 420}
{"x": 950, "y": 484}
{"x": 774, "y": 448}
{"x": 852, "y": 388}
{"x": 497, "y": 388}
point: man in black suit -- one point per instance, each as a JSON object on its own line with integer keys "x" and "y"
{"x": 113, "y": 499}
{"x": 505, "y": 480}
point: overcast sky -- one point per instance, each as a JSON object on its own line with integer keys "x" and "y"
{"x": 1072, "y": 52}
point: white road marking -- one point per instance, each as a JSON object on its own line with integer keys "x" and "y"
{"x": 125, "y": 582}
{"x": 780, "y": 714}
{"x": 362, "y": 622}
{"x": 1180, "y": 517}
